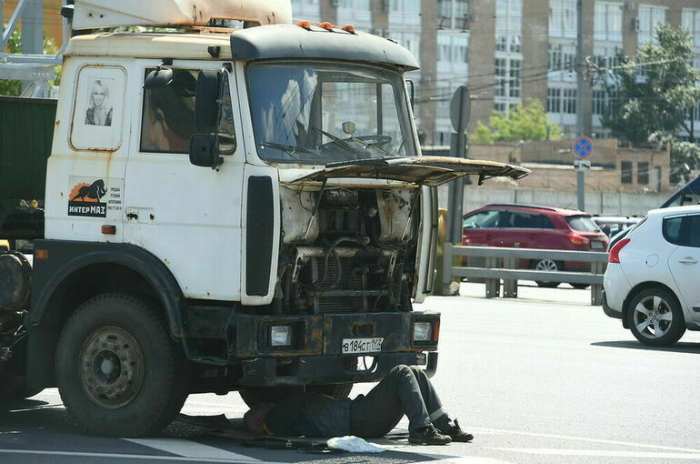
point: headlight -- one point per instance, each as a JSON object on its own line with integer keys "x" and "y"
{"x": 280, "y": 335}
{"x": 422, "y": 331}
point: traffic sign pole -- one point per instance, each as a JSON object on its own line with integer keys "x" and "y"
{"x": 583, "y": 147}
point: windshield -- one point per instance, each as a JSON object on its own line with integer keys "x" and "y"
{"x": 323, "y": 113}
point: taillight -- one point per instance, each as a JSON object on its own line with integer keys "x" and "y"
{"x": 577, "y": 240}
{"x": 614, "y": 256}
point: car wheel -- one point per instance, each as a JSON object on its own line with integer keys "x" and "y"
{"x": 118, "y": 371}
{"x": 547, "y": 265}
{"x": 655, "y": 318}
{"x": 580, "y": 286}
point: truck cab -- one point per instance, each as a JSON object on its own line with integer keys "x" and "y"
{"x": 228, "y": 210}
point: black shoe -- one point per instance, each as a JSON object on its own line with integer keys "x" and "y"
{"x": 458, "y": 435}
{"x": 428, "y": 436}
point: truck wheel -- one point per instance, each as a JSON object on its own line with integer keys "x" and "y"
{"x": 118, "y": 371}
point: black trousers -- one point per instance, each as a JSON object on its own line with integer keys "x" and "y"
{"x": 404, "y": 391}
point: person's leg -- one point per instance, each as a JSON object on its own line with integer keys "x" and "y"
{"x": 397, "y": 394}
{"x": 438, "y": 416}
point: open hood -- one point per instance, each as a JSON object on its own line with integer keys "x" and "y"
{"x": 422, "y": 170}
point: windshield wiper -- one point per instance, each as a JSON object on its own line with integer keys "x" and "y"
{"x": 291, "y": 150}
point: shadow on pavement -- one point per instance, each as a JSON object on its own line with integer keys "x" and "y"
{"x": 677, "y": 348}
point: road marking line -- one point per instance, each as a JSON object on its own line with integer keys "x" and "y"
{"x": 587, "y": 440}
{"x": 191, "y": 449}
{"x": 121, "y": 456}
{"x": 601, "y": 453}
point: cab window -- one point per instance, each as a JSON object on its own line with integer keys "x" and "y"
{"x": 169, "y": 115}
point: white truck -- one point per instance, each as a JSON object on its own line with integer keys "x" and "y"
{"x": 225, "y": 209}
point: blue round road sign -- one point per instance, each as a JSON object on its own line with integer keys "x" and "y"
{"x": 583, "y": 147}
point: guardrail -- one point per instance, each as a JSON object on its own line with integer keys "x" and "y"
{"x": 502, "y": 263}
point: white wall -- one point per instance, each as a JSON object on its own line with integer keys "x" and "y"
{"x": 611, "y": 204}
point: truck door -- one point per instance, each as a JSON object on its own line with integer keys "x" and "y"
{"x": 188, "y": 216}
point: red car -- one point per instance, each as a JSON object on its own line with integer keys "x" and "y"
{"x": 527, "y": 226}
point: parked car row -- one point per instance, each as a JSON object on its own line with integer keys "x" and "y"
{"x": 653, "y": 263}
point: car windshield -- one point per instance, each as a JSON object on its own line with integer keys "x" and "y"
{"x": 582, "y": 223}
{"x": 321, "y": 113}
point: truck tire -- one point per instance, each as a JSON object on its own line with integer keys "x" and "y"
{"x": 118, "y": 371}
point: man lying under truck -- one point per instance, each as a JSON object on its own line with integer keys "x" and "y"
{"x": 404, "y": 391}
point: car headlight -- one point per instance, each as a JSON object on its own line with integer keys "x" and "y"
{"x": 422, "y": 331}
{"x": 280, "y": 335}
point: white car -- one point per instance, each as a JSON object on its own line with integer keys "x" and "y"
{"x": 652, "y": 281}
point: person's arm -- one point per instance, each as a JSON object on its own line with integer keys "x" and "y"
{"x": 284, "y": 418}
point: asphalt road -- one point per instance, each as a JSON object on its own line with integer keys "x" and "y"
{"x": 545, "y": 378}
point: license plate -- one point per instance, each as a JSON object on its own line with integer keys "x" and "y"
{"x": 362, "y": 345}
{"x": 596, "y": 245}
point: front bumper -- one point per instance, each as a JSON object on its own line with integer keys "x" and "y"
{"x": 316, "y": 355}
{"x": 310, "y": 370}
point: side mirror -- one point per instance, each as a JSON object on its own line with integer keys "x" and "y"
{"x": 206, "y": 109}
{"x": 204, "y": 151}
{"x": 159, "y": 78}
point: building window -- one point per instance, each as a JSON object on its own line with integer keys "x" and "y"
{"x": 508, "y": 77}
{"x": 500, "y": 77}
{"x": 515, "y": 78}
{"x": 509, "y": 21}
{"x": 626, "y": 172}
{"x": 553, "y": 100}
{"x": 500, "y": 107}
{"x": 562, "y": 18}
{"x": 643, "y": 173}
{"x": 691, "y": 22}
{"x": 453, "y": 14}
{"x": 569, "y": 101}
{"x": 649, "y": 17}
{"x": 600, "y": 101}
{"x": 608, "y": 21}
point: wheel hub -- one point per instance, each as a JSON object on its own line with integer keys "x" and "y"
{"x": 112, "y": 367}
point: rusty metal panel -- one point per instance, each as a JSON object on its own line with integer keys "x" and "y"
{"x": 251, "y": 332}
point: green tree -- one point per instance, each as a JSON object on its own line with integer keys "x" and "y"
{"x": 683, "y": 153}
{"x": 522, "y": 123}
{"x": 652, "y": 94}
{"x": 14, "y": 45}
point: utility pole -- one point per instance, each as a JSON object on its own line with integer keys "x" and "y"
{"x": 580, "y": 175}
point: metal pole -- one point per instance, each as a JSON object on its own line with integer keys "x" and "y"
{"x": 580, "y": 175}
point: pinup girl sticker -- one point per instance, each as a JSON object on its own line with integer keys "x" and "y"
{"x": 99, "y": 112}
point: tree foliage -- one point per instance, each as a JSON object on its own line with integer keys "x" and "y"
{"x": 683, "y": 153}
{"x": 652, "y": 94}
{"x": 525, "y": 123}
{"x": 14, "y": 45}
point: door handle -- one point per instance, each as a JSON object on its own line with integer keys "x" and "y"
{"x": 688, "y": 260}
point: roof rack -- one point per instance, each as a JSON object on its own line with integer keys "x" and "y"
{"x": 29, "y": 67}
{"x": 518, "y": 205}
